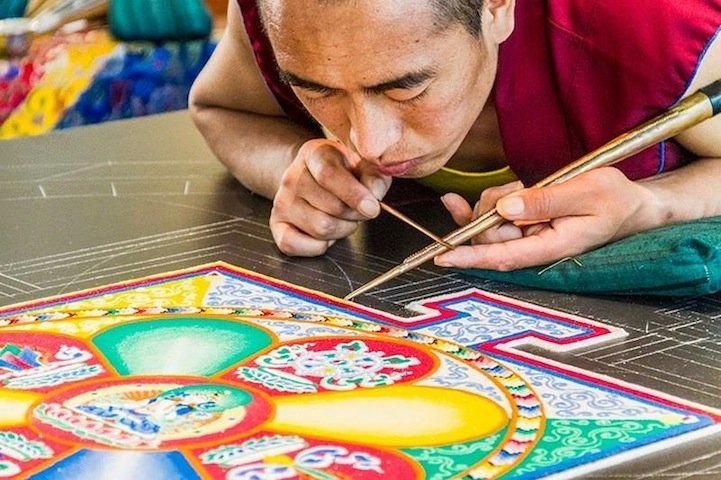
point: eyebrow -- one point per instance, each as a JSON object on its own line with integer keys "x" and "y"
{"x": 407, "y": 81}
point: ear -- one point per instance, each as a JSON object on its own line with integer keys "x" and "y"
{"x": 498, "y": 19}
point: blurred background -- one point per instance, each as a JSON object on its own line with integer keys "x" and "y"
{"x": 67, "y": 63}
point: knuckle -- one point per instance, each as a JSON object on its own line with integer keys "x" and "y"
{"x": 281, "y": 203}
{"x": 337, "y": 209}
{"x": 542, "y": 201}
{"x": 284, "y": 243}
{"x": 489, "y": 196}
{"x": 324, "y": 228}
{"x": 610, "y": 174}
{"x": 288, "y": 182}
{"x": 506, "y": 265}
{"x": 324, "y": 174}
{"x": 605, "y": 180}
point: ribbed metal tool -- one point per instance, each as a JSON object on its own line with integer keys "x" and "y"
{"x": 689, "y": 112}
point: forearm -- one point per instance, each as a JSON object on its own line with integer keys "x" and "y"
{"x": 255, "y": 148}
{"x": 688, "y": 193}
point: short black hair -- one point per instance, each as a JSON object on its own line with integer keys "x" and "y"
{"x": 467, "y": 13}
{"x": 464, "y": 12}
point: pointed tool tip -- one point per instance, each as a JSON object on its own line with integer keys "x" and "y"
{"x": 356, "y": 292}
{"x": 394, "y": 272}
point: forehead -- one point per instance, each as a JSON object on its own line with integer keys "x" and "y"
{"x": 350, "y": 37}
{"x": 290, "y": 12}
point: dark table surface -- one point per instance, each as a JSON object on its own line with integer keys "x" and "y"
{"x": 96, "y": 205}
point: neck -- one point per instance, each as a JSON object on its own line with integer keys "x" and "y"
{"x": 482, "y": 149}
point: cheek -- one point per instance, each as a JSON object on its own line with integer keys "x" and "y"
{"x": 330, "y": 115}
{"x": 444, "y": 119}
{"x": 451, "y": 112}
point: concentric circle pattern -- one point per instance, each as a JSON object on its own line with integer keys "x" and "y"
{"x": 247, "y": 393}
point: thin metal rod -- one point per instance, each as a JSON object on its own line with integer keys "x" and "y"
{"x": 688, "y": 112}
{"x": 415, "y": 225}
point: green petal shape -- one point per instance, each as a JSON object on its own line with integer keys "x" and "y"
{"x": 179, "y": 346}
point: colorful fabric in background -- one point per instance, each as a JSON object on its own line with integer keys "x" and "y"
{"x": 158, "y": 20}
{"x": 54, "y": 74}
{"x": 142, "y": 79}
{"x": 12, "y": 8}
{"x": 87, "y": 78}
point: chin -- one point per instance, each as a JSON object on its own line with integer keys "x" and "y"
{"x": 425, "y": 169}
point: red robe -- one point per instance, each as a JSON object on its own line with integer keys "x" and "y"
{"x": 573, "y": 75}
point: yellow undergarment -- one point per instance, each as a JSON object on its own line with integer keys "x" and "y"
{"x": 468, "y": 184}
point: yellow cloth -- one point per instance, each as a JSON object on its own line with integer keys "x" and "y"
{"x": 66, "y": 76}
{"x": 467, "y": 184}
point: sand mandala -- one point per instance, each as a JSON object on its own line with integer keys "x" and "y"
{"x": 217, "y": 372}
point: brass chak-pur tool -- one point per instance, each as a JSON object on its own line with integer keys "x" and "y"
{"x": 415, "y": 225}
{"x": 690, "y": 111}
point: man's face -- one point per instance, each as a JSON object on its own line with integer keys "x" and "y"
{"x": 383, "y": 78}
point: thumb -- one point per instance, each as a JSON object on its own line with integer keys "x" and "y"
{"x": 528, "y": 204}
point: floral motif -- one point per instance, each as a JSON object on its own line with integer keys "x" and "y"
{"x": 18, "y": 448}
{"x": 279, "y": 457}
{"x": 346, "y": 367}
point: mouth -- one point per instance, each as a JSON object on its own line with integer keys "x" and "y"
{"x": 397, "y": 169}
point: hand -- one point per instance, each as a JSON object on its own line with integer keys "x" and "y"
{"x": 551, "y": 223}
{"x": 323, "y": 195}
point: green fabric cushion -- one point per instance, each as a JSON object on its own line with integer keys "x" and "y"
{"x": 159, "y": 20}
{"x": 12, "y": 8}
{"x": 678, "y": 260}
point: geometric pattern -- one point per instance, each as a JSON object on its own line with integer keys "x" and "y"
{"x": 218, "y": 372}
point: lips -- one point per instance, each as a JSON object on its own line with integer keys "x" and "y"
{"x": 396, "y": 169}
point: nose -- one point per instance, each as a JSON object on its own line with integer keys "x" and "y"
{"x": 374, "y": 128}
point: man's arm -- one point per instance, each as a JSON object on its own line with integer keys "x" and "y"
{"x": 696, "y": 189}
{"x": 238, "y": 116}
{"x": 317, "y": 199}
{"x": 596, "y": 207}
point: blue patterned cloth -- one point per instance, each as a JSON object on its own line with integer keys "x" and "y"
{"x": 145, "y": 79}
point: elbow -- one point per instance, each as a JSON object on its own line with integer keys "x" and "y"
{"x": 196, "y": 105}
{"x": 202, "y": 105}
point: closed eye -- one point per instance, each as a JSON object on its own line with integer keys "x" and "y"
{"x": 408, "y": 94}
{"x": 314, "y": 92}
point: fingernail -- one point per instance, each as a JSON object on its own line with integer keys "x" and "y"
{"x": 378, "y": 187}
{"x": 369, "y": 208}
{"x": 444, "y": 200}
{"x": 441, "y": 263}
{"x": 511, "y": 206}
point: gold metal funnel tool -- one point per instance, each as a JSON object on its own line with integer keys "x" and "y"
{"x": 415, "y": 225}
{"x": 690, "y": 111}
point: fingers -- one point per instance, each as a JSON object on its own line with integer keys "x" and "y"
{"x": 586, "y": 194}
{"x": 459, "y": 209}
{"x": 292, "y": 241}
{"x": 321, "y": 200}
{"x": 490, "y": 196}
{"x": 314, "y": 222}
{"x": 463, "y": 214}
{"x": 330, "y": 170}
{"x": 378, "y": 185}
{"x": 524, "y": 252}
{"x": 504, "y": 231}
{"x": 550, "y": 223}
{"x": 501, "y": 233}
